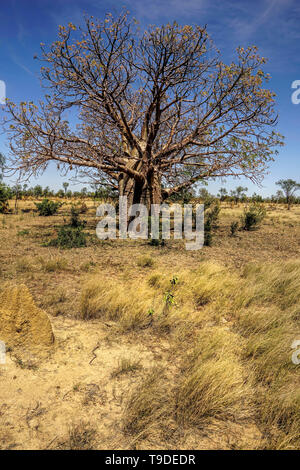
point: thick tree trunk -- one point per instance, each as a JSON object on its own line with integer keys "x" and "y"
{"x": 154, "y": 183}
{"x": 126, "y": 187}
{"x": 134, "y": 192}
{"x": 129, "y": 187}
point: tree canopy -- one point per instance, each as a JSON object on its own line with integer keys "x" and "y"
{"x": 150, "y": 113}
{"x": 289, "y": 187}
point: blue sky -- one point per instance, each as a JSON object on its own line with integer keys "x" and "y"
{"x": 273, "y": 25}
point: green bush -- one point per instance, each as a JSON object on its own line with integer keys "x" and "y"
{"x": 69, "y": 237}
{"x": 234, "y": 228}
{"x": 209, "y": 201}
{"x": 46, "y": 207}
{"x": 75, "y": 220}
{"x": 253, "y": 216}
{"x": 156, "y": 242}
{"x": 211, "y": 221}
{"x": 4, "y": 197}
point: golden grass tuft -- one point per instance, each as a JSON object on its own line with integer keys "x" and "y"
{"x": 127, "y": 304}
{"x": 235, "y": 334}
{"x": 81, "y": 436}
{"x": 150, "y": 406}
{"x": 145, "y": 262}
{"x": 213, "y": 383}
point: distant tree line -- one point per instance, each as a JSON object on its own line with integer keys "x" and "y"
{"x": 38, "y": 192}
{"x": 286, "y": 195}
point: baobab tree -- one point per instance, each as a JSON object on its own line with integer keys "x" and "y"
{"x": 149, "y": 113}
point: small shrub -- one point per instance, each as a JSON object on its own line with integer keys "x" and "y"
{"x": 211, "y": 223}
{"x": 4, "y": 196}
{"x": 156, "y": 242}
{"x": 69, "y": 237}
{"x": 75, "y": 221}
{"x": 208, "y": 201}
{"x": 253, "y": 216}
{"x": 213, "y": 215}
{"x": 234, "y": 228}
{"x": 207, "y": 234}
{"x": 47, "y": 207}
{"x": 23, "y": 232}
{"x": 183, "y": 196}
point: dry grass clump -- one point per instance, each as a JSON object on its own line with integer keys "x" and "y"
{"x": 214, "y": 389}
{"x": 150, "y": 406}
{"x": 209, "y": 288}
{"x": 213, "y": 383}
{"x": 54, "y": 264}
{"x": 124, "y": 302}
{"x": 231, "y": 334}
{"x": 274, "y": 283}
{"x": 24, "y": 265}
{"x": 126, "y": 366}
{"x": 154, "y": 279}
{"x": 268, "y": 317}
{"x": 145, "y": 262}
{"x": 81, "y": 436}
{"x": 163, "y": 300}
{"x": 209, "y": 386}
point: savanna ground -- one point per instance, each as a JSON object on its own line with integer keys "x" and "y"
{"x": 156, "y": 347}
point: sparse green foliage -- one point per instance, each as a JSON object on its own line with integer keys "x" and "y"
{"x": 47, "y": 207}
{"x": 69, "y": 237}
{"x": 234, "y": 226}
{"x": 4, "y": 196}
{"x": 253, "y": 216}
{"x": 289, "y": 187}
{"x": 239, "y": 194}
{"x": 211, "y": 218}
{"x": 183, "y": 196}
{"x": 75, "y": 220}
{"x": 169, "y": 296}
